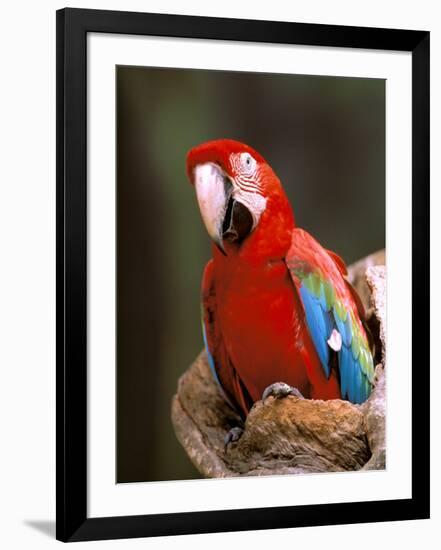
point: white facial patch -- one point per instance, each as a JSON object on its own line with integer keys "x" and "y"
{"x": 255, "y": 203}
{"x": 248, "y": 189}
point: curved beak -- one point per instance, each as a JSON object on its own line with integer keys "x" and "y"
{"x": 225, "y": 218}
{"x": 213, "y": 191}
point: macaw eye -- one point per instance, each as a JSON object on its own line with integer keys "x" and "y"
{"x": 248, "y": 162}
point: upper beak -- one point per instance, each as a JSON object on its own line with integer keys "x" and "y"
{"x": 213, "y": 191}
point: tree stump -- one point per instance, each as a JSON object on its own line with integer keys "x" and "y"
{"x": 289, "y": 435}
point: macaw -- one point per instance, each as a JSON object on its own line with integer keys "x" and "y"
{"x": 278, "y": 315}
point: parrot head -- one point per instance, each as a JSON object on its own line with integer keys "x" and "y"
{"x": 236, "y": 190}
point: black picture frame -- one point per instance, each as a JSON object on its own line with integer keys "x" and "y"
{"x": 72, "y": 522}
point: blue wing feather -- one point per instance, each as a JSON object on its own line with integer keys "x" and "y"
{"x": 322, "y": 300}
{"x": 321, "y": 319}
{"x": 317, "y": 325}
{"x": 210, "y": 357}
{"x": 344, "y": 328}
{"x": 345, "y": 357}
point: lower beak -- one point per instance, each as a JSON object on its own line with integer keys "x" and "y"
{"x": 238, "y": 222}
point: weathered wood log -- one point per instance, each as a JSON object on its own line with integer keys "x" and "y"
{"x": 357, "y": 274}
{"x": 289, "y": 435}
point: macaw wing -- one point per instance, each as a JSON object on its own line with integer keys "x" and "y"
{"x": 221, "y": 366}
{"x": 331, "y": 314}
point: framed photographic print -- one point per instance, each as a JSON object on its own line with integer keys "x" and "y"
{"x": 242, "y": 274}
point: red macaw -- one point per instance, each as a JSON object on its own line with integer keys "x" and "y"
{"x": 278, "y": 316}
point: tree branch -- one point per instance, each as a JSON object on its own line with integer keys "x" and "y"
{"x": 289, "y": 435}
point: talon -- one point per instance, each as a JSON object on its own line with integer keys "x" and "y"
{"x": 279, "y": 390}
{"x": 232, "y": 436}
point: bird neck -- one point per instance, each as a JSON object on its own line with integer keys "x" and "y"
{"x": 269, "y": 242}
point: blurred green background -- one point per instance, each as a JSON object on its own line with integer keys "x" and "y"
{"x": 323, "y": 136}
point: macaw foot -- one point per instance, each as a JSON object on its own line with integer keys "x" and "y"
{"x": 232, "y": 436}
{"x": 279, "y": 390}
